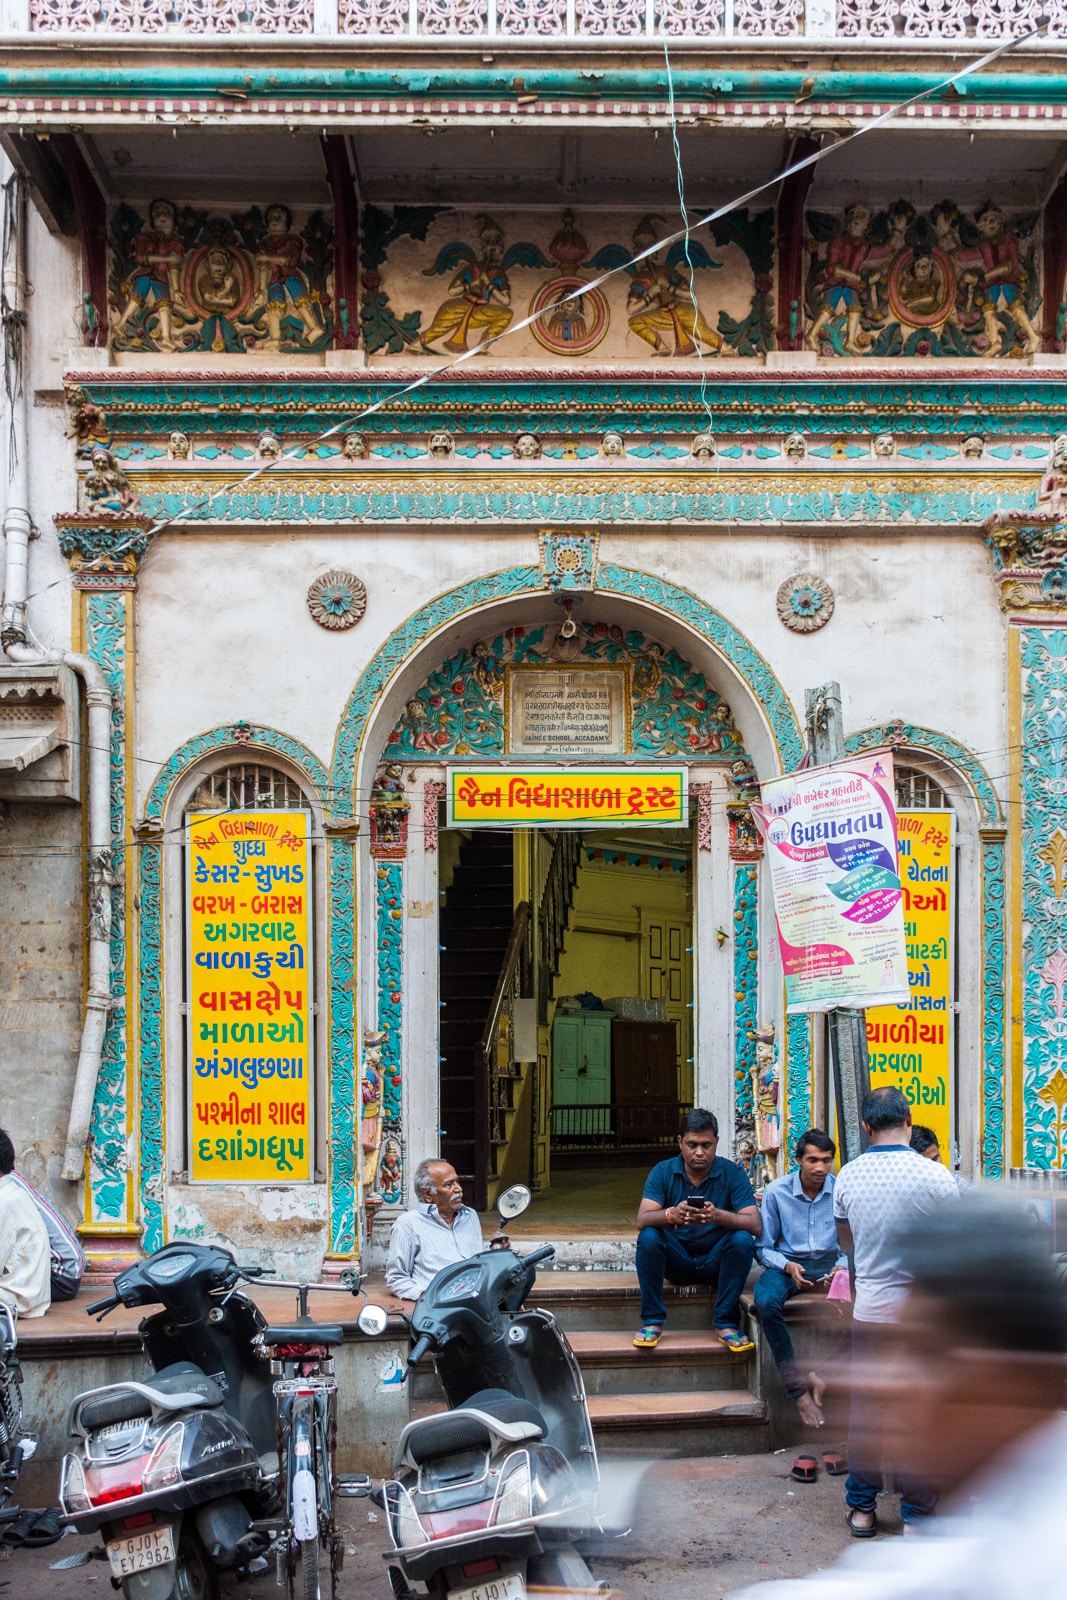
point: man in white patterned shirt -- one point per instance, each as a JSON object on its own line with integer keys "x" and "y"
{"x": 439, "y": 1231}
{"x": 25, "y": 1257}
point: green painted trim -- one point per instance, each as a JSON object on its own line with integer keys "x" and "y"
{"x": 581, "y": 83}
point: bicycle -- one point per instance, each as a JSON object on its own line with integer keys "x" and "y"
{"x": 305, "y": 1392}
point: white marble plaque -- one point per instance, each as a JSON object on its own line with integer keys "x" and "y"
{"x": 567, "y": 711}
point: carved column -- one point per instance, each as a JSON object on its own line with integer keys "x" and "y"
{"x": 1030, "y": 553}
{"x": 104, "y": 553}
{"x": 746, "y": 850}
{"x": 343, "y": 1165}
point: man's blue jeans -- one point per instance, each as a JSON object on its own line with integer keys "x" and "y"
{"x": 773, "y": 1288}
{"x": 661, "y": 1255}
{"x": 917, "y": 1499}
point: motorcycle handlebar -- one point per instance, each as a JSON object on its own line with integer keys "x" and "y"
{"x": 546, "y": 1252}
{"x": 419, "y": 1349}
{"x": 103, "y": 1306}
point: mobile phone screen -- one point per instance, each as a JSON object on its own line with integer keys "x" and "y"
{"x": 697, "y": 1201}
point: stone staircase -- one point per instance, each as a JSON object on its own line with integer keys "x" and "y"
{"x": 688, "y": 1397}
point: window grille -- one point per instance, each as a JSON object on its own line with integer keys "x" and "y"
{"x": 247, "y": 786}
{"x": 917, "y": 791}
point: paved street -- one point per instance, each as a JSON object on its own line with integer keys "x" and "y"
{"x": 706, "y": 1528}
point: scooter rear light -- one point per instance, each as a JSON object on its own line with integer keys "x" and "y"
{"x": 465, "y": 1519}
{"x": 514, "y": 1498}
{"x": 73, "y": 1492}
{"x": 164, "y": 1467}
{"x": 107, "y": 1485}
{"x": 478, "y": 1569}
{"x": 140, "y": 1520}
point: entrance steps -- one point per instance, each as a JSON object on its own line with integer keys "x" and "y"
{"x": 688, "y": 1397}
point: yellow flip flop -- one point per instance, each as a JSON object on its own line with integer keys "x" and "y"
{"x": 647, "y": 1338}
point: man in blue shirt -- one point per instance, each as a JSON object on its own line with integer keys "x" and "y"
{"x": 800, "y": 1251}
{"x": 699, "y": 1224}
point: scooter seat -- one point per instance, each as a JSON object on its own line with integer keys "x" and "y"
{"x": 305, "y": 1333}
{"x": 471, "y": 1427}
{"x": 182, "y": 1380}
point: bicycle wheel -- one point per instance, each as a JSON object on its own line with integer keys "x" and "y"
{"x": 309, "y": 1568}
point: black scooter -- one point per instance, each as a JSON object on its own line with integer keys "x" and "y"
{"x": 493, "y": 1495}
{"x": 181, "y": 1473}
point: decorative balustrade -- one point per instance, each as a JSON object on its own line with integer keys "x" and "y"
{"x": 902, "y": 21}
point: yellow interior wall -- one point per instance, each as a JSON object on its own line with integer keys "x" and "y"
{"x": 602, "y": 949}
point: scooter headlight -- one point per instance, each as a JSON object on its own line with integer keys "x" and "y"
{"x": 73, "y": 1493}
{"x": 164, "y": 1466}
{"x": 514, "y": 1498}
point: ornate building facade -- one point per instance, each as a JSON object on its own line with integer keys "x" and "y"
{"x": 359, "y": 361}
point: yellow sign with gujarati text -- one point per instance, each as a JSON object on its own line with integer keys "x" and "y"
{"x": 251, "y": 1063}
{"x": 910, "y": 1046}
{"x": 567, "y": 797}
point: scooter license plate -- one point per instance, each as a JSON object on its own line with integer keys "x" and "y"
{"x": 510, "y": 1588}
{"x": 153, "y": 1548}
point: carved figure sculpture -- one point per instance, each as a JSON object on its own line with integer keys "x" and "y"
{"x": 528, "y": 447}
{"x": 179, "y": 446}
{"x": 280, "y": 284}
{"x": 1054, "y": 483}
{"x": 441, "y": 445}
{"x": 370, "y": 1133}
{"x": 839, "y": 285}
{"x": 107, "y": 487}
{"x": 354, "y": 447}
{"x": 391, "y": 1171}
{"x": 765, "y": 1097}
{"x": 973, "y": 447}
{"x": 885, "y": 446}
{"x": 796, "y": 447}
{"x": 612, "y": 445}
{"x": 87, "y": 422}
{"x": 1002, "y": 281}
{"x": 156, "y": 288}
{"x": 269, "y": 446}
{"x": 703, "y": 447}
{"x": 479, "y": 294}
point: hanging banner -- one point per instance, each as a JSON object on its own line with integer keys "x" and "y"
{"x": 251, "y": 1064}
{"x": 832, "y": 850}
{"x": 567, "y": 797}
{"x": 910, "y": 1045}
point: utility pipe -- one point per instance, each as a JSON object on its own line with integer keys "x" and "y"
{"x": 18, "y": 529}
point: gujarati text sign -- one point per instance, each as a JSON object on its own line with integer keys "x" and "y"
{"x": 567, "y": 797}
{"x": 910, "y": 1045}
{"x": 832, "y": 849}
{"x": 564, "y": 711}
{"x": 251, "y": 1063}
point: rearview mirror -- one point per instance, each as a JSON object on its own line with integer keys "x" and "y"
{"x": 513, "y": 1202}
{"x": 372, "y": 1320}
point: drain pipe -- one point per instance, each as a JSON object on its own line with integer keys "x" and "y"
{"x": 18, "y": 530}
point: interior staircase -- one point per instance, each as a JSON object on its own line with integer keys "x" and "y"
{"x": 688, "y": 1397}
{"x": 476, "y": 920}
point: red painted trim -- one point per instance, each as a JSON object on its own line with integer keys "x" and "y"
{"x": 90, "y": 210}
{"x": 345, "y": 242}
{"x": 791, "y": 202}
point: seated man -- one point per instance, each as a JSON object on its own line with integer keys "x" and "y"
{"x": 25, "y": 1263}
{"x": 438, "y": 1231}
{"x": 924, "y": 1142}
{"x": 699, "y": 1224}
{"x": 800, "y": 1251}
{"x": 67, "y": 1255}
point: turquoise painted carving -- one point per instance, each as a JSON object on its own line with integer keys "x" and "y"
{"x": 568, "y": 560}
{"x": 105, "y": 639}
{"x": 150, "y": 956}
{"x": 683, "y": 498}
{"x": 390, "y": 940}
{"x": 383, "y": 330}
{"x": 798, "y": 1085}
{"x": 732, "y": 644}
{"x": 344, "y": 1234}
{"x": 1043, "y": 958}
{"x": 746, "y": 987}
{"x": 181, "y": 280}
{"x": 905, "y": 734}
{"x": 993, "y": 1007}
{"x": 459, "y": 710}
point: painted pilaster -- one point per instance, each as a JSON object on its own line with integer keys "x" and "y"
{"x": 343, "y": 1164}
{"x": 104, "y": 553}
{"x": 993, "y": 1017}
{"x": 745, "y": 853}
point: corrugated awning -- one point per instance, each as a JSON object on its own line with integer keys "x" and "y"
{"x": 23, "y": 743}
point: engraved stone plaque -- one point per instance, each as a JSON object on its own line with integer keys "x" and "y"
{"x": 567, "y": 711}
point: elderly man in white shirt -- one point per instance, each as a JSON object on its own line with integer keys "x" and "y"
{"x": 438, "y": 1231}
{"x": 25, "y": 1256}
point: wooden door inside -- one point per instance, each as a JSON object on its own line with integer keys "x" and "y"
{"x": 667, "y": 975}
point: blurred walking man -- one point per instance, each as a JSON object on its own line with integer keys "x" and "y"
{"x": 967, "y": 1394}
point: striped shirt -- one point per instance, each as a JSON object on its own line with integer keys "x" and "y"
{"x": 421, "y": 1244}
{"x": 25, "y": 1257}
{"x": 68, "y": 1257}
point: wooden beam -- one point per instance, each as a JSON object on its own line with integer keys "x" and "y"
{"x": 90, "y": 209}
{"x": 345, "y": 241}
{"x": 792, "y": 200}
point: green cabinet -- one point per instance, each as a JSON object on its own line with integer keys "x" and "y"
{"x": 581, "y": 1072}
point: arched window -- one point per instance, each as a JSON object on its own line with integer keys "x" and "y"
{"x": 248, "y": 786}
{"x": 917, "y": 791}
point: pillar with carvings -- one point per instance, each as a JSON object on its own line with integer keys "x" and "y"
{"x": 104, "y": 552}
{"x": 1030, "y": 556}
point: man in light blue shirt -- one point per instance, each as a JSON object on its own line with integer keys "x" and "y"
{"x": 439, "y": 1231}
{"x": 799, "y": 1249}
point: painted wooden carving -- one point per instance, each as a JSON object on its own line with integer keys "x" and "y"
{"x": 181, "y": 280}
{"x": 478, "y": 306}
{"x": 897, "y": 283}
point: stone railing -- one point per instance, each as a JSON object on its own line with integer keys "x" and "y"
{"x": 901, "y": 21}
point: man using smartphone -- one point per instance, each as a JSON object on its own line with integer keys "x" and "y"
{"x": 698, "y": 1223}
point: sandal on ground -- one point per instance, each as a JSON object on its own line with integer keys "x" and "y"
{"x": 647, "y": 1338}
{"x": 805, "y": 1469}
{"x": 735, "y": 1340}
{"x": 836, "y": 1466}
{"x": 861, "y": 1533}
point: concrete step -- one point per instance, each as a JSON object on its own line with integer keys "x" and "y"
{"x": 685, "y": 1361}
{"x": 696, "y": 1423}
{"x": 582, "y": 1301}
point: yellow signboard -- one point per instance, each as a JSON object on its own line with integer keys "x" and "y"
{"x": 251, "y": 1072}
{"x": 910, "y": 1046}
{"x": 567, "y": 797}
